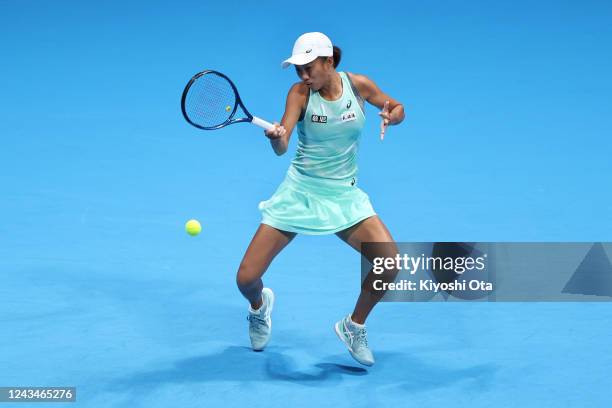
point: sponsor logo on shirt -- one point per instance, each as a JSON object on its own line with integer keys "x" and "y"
{"x": 348, "y": 105}
{"x": 348, "y": 116}
{"x": 318, "y": 119}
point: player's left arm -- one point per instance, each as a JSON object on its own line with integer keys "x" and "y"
{"x": 392, "y": 111}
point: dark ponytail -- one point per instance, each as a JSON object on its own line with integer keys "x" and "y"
{"x": 337, "y": 56}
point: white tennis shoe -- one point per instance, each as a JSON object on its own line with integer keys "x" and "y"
{"x": 356, "y": 340}
{"x": 260, "y": 323}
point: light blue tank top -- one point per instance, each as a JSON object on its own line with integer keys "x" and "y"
{"x": 328, "y": 135}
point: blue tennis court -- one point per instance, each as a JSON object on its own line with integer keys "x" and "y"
{"x": 506, "y": 138}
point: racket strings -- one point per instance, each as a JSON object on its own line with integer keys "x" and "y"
{"x": 210, "y": 101}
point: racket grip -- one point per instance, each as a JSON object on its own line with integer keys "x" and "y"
{"x": 262, "y": 123}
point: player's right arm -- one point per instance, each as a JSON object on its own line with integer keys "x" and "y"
{"x": 281, "y": 133}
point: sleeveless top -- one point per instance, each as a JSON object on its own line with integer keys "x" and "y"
{"x": 328, "y": 134}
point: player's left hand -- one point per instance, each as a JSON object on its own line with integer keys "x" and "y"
{"x": 386, "y": 117}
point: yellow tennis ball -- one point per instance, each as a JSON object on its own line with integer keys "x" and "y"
{"x": 228, "y": 108}
{"x": 193, "y": 227}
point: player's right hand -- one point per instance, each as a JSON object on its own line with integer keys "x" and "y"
{"x": 276, "y": 132}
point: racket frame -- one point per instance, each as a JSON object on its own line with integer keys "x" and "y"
{"x": 231, "y": 120}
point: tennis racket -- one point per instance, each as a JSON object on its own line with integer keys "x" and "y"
{"x": 210, "y": 101}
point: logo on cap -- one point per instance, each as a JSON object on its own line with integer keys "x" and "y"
{"x": 308, "y": 50}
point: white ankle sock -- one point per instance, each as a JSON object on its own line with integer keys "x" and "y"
{"x": 359, "y": 326}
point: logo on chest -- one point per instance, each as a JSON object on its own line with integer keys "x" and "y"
{"x": 348, "y": 116}
{"x": 318, "y": 119}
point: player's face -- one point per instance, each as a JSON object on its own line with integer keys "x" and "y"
{"x": 316, "y": 73}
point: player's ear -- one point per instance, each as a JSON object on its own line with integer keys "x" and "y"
{"x": 328, "y": 62}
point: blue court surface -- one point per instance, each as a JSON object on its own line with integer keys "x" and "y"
{"x": 506, "y": 138}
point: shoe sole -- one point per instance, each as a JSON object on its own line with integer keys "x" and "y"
{"x": 270, "y": 307}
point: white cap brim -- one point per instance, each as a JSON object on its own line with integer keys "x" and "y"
{"x": 299, "y": 59}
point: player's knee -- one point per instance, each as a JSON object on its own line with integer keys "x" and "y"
{"x": 390, "y": 271}
{"x": 246, "y": 275}
{"x": 389, "y": 275}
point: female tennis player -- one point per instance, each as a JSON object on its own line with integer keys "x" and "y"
{"x": 319, "y": 194}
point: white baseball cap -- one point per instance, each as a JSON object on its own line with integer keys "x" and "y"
{"x": 308, "y": 47}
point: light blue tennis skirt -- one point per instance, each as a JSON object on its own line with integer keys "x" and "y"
{"x": 315, "y": 206}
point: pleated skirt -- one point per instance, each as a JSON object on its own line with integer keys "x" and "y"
{"x": 315, "y": 206}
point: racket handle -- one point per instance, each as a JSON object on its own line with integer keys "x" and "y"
{"x": 262, "y": 123}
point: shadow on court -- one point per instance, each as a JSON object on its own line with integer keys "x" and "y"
{"x": 241, "y": 365}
